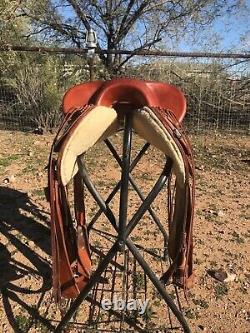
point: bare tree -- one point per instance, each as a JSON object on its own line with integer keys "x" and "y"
{"x": 132, "y": 24}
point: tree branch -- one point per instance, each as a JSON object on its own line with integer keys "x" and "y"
{"x": 84, "y": 20}
{"x": 123, "y": 32}
{"x": 144, "y": 46}
{"x": 59, "y": 27}
{"x": 80, "y": 14}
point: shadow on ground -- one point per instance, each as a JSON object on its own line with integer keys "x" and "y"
{"x": 23, "y": 252}
{"x": 20, "y": 225}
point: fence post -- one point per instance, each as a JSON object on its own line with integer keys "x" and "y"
{"x": 91, "y": 43}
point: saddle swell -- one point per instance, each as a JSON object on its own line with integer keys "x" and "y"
{"x": 92, "y": 113}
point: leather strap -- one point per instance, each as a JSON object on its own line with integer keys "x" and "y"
{"x": 182, "y": 264}
{"x": 71, "y": 263}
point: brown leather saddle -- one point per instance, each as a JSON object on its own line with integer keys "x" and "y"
{"x": 92, "y": 112}
{"x": 118, "y": 92}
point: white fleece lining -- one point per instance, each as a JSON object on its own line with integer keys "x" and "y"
{"x": 99, "y": 121}
{"x": 149, "y": 127}
{"x": 102, "y": 122}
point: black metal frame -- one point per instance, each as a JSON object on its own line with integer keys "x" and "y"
{"x": 123, "y": 227}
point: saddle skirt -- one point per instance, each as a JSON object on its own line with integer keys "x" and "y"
{"x": 92, "y": 112}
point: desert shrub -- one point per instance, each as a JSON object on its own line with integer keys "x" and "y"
{"x": 37, "y": 91}
{"x": 32, "y": 90}
{"x": 32, "y": 87}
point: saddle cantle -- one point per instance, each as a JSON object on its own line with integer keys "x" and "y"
{"x": 92, "y": 112}
{"x": 126, "y": 91}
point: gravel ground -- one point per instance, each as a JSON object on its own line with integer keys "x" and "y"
{"x": 221, "y": 232}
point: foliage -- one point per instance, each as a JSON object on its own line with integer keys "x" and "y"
{"x": 29, "y": 84}
{"x": 12, "y": 27}
{"x": 132, "y": 24}
{"x": 32, "y": 89}
{"x": 32, "y": 85}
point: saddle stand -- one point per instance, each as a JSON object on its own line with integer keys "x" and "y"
{"x": 153, "y": 111}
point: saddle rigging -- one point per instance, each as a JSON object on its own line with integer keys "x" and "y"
{"x": 92, "y": 112}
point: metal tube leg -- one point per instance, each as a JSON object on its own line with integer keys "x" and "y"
{"x": 125, "y": 178}
{"x": 97, "y": 197}
{"x": 123, "y": 229}
{"x": 118, "y": 185}
{"x": 150, "y": 197}
{"x": 158, "y": 285}
{"x": 84, "y": 293}
{"x": 150, "y": 210}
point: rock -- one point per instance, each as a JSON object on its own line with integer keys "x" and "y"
{"x": 202, "y": 328}
{"x": 38, "y": 130}
{"x": 222, "y": 275}
{"x": 6, "y": 180}
{"x": 220, "y": 213}
{"x": 9, "y": 179}
{"x": 230, "y": 277}
{"x": 209, "y": 211}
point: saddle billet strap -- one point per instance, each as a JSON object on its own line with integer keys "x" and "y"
{"x": 184, "y": 141}
{"x": 181, "y": 267}
{"x": 54, "y": 240}
{"x": 64, "y": 257}
{"x": 70, "y": 263}
{"x": 60, "y": 261}
{"x": 82, "y": 234}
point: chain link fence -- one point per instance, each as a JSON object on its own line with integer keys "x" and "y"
{"x": 32, "y": 86}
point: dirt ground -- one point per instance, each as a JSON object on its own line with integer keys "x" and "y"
{"x": 221, "y": 230}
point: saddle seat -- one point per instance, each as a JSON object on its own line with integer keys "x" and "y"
{"x": 133, "y": 93}
{"x": 111, "y": 100}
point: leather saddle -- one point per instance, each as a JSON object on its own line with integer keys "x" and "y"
{"x": 134, "y": 93}
{"x": 92, "y": 112}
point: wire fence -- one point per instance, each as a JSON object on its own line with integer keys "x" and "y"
{"x": 32, "y": 86}
{"x": 217, "y": 95}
